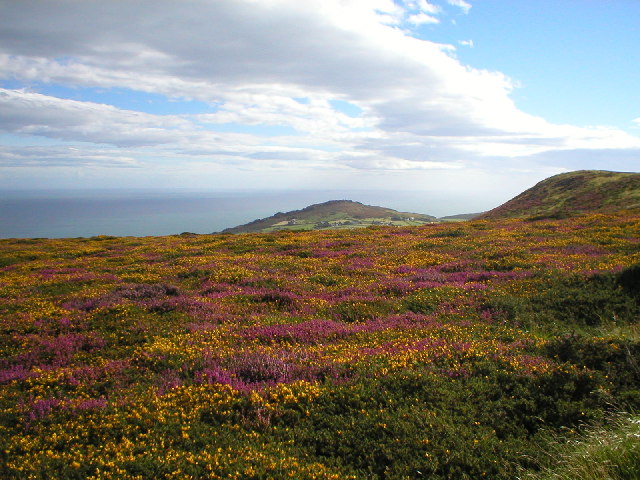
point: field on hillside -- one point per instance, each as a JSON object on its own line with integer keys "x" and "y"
{"x": 440, "y": 351}
{"x": 342, "y": 223}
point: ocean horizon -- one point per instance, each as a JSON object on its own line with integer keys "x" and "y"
{"x": 139, "y": 213}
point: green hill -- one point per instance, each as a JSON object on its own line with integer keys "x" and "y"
{"x": 574, "y": 193}
{"x": 333, "y": 214}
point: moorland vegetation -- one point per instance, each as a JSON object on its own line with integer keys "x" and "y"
{"x": 572, "y": 193}
{"x": 442, "y": 351}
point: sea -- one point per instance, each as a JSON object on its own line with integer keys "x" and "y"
{"x": 139, "y": 213}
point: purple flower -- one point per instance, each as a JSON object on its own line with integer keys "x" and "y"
{"x": 90, "y": 404}
{"x": 39, "y": 409}
{"x": 14, "y": 372}
{"x": 309, "y": 332}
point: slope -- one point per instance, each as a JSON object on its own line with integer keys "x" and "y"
{"x": 332, "y": 214}
{"x": 573, "y": 193}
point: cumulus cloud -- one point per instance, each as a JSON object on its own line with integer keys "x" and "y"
{"x": 29, "y": 113}
{"x": 346, "y": 82}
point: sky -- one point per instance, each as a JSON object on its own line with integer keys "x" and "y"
{"x": 475, "y": 99}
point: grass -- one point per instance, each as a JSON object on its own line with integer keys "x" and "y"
{"x": 622, "y": 332}
{"x": 609, "y": 452}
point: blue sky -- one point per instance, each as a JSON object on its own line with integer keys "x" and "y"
{"x": 574, "y": 59}
{"x": 458, "y": 98}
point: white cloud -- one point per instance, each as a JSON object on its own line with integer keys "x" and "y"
{"x": 253, "y": 61}
{"x": 422, "y": 18}
{"x": 428, "y": 7}
{"x": 166, "y": 136}
{"x": 29, "y": 113}
{"x": 367, "y": 161}
{"x": 465, "y": 6}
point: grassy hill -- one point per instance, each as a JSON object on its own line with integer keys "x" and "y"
{"x": 574, "y": 193}
{"x": 333, "y": 214}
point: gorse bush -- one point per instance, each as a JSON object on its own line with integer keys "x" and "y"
{"x": 573, "y": 302}
{"x": 590, "y": 301}
{"x": 629, "y": 280}
{"x": 440, "y": 351}
{"x": 615, "y": 359}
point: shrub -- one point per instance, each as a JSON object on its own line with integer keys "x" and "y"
{"x": 629, "y": 280}
{"x": 568, "y": 303}
{"x": 615, "y": 359}
{"x": 359, "y": 311}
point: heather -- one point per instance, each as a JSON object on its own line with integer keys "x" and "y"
{"x": 438, "y": 351}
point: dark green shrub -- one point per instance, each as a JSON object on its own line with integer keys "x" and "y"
{"x": 428, "y": 300}
{"x": 616, "y": 360}
{"x": 359, "y": 311}
{"x": 412, "y": 424}
{"x": 629, "y": 280}
{"x": 568, "y": 303}
{"x": 591, "y": 301}
{"x": 449, "y": 234}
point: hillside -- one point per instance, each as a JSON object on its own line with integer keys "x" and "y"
{"x": 443, "y": 351}
{"x": 332, "y": 214}
{"x": 568, "y": 194}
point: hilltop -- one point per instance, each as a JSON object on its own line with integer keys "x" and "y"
{"x": 333, "y": 214}
{"x": 573, "y": 193}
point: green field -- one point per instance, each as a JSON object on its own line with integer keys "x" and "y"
{"x": 342, "y": 222}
